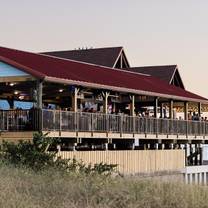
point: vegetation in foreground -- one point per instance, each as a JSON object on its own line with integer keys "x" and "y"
{"x": 53, "y": 189}
{"x": 34, "y": 155}
{"x": 30, "y": 177}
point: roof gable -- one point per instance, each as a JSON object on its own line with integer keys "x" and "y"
{"x": 122, "y": 61}
{"x": 176, "y": 79}
{"x": 167, "y": 73}
{"x": 110, "y": 57}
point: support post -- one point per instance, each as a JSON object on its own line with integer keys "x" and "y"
{"x": 186, "y": 154}
{"x": 205, "y": 178}
{"x": 171, "y": 109}
{"x": 186, "y": 116}
{"x": 132, "y": 111}
{"x": 161, "y": 110}
{"x": 199, "y": 110}
{"x": 10, "y": 100}
{"x": 185, "y": 110}
{"x": 39, "y": 89}
{"x": 201, "y": 154}
{"x": 191, "y": 178}
{"x": 186, "y": 178}
{"x": 74, "y": 108}
{"x": 39, "y": 100}
{"x": 196, "y": 178}
{"x": 196, "y": 154}
{"x": 155, "y": 107}
{"x": 191, "y": 155}
{"x": 132, "y": 105}
{"x": 155, "y": 115}
{"x": 200, "y": 178}
{"x": 105, "y": 103}
{"x": 74, "y": 99}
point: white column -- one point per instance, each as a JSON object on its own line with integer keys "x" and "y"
{"x": 105, "y": 102}
{"x": 191, "y": 178}
{"x": 132, "y": 105}
{"x": 186, "y": 178}
{"x": 200, "y": 178}
{"x": 205, "y": 178}
{"x": 74, "y": 99}
{"x": 196, "y": 178}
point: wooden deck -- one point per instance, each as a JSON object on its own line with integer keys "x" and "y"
{"x": 108, "y": 135}
{"x": 15, "y": 136}
{"x": 28, "y": 135}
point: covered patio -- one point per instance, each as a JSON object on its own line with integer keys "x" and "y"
{"x": 85, "y": 104}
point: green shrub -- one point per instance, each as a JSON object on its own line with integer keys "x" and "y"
{"x": 35, "y": 155}
{"x": 29, "y": 154}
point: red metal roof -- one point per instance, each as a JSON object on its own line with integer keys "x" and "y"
{"x": 68, "y": 71}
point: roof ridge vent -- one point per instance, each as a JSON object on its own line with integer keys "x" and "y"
{"x": 83, "y": 48}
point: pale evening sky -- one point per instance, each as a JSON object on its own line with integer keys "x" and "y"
{"x": 153, "y": 32}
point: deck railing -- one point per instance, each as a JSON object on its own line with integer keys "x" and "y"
{"x": 55, "y": 120}
{"x": 20, "y": 120}
{"x": 98, "y": 122}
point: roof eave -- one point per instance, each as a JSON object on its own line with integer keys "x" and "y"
{"x": 123, "y": 89}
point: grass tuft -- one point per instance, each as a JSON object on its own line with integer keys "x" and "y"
{"x": 51, "y": 188}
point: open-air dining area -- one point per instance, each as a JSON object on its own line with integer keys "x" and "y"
{"x": 90, "y": 107}
{"x": 113, "y": 101}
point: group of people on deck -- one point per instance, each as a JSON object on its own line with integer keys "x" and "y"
{"x": 89, "y": 107}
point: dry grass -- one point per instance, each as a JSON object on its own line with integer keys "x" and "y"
{"x": 25, "y": 189}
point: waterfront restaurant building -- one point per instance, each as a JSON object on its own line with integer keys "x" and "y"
{"x": 94, "y": 101}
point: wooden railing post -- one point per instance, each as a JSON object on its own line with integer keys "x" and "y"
{"x": 107, "y": 122}
{"x": 76, "y": 121}
{"x": 40, "y": 119}
{"x": 133, "y": 123}
{"x": 187, "y": 128}
{"x": 155, "y": 115}
{"x": 60, "y": 121}
{"x": 3, "y": 121}
{"x": 145, "y": 125}
{"x": 92, "y": 123}
{"x": 121, "y": 125}
{"x": 156, "y": 129}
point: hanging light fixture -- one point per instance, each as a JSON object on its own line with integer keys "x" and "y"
{"x": 11, "y": 84}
